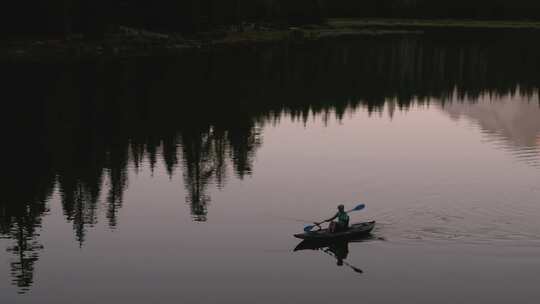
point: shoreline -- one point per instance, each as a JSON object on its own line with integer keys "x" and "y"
{"x": 127, "y": 42}
{"x": 436, "y": 23}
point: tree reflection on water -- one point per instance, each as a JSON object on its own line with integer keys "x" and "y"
{"x": 80, "y": 126}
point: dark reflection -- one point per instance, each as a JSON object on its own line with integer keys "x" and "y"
{"x": 25, "y": 254}
{"x": 204, "y": 154}
{"x": 79, "y": 126}
{"x": 338, "y": 249}
{"x": 27, "y": 183}
{"x": 205, "y": 159}
{"x": 21, "y": 228}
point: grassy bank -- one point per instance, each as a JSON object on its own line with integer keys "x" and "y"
{"x": 421, "y": 23}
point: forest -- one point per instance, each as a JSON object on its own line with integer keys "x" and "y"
{"x": 92, "y": 18}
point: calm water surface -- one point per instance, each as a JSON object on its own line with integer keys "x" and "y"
{"x": 152, "y": 203}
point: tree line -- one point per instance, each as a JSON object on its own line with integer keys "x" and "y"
{"x": 93, "y": 18}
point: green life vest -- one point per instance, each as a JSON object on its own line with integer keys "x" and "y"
{"x": 343, "y": 218}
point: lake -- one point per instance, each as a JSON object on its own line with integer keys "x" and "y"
{"x": 184, "y": 178}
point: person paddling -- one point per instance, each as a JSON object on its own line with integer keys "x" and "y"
{"x": 342, "y": 223}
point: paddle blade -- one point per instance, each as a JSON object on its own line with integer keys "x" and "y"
{"x": 359, "y": 207}
{"x": 309, "y": 228}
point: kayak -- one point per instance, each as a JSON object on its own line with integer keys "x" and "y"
{"x": 354, "y": 231}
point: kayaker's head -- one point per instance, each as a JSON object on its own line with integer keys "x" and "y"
{"x": 341, "y": 208}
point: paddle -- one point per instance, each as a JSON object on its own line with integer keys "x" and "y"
{"x": 330, "y": 253}
{"x": 357, "y": 208}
